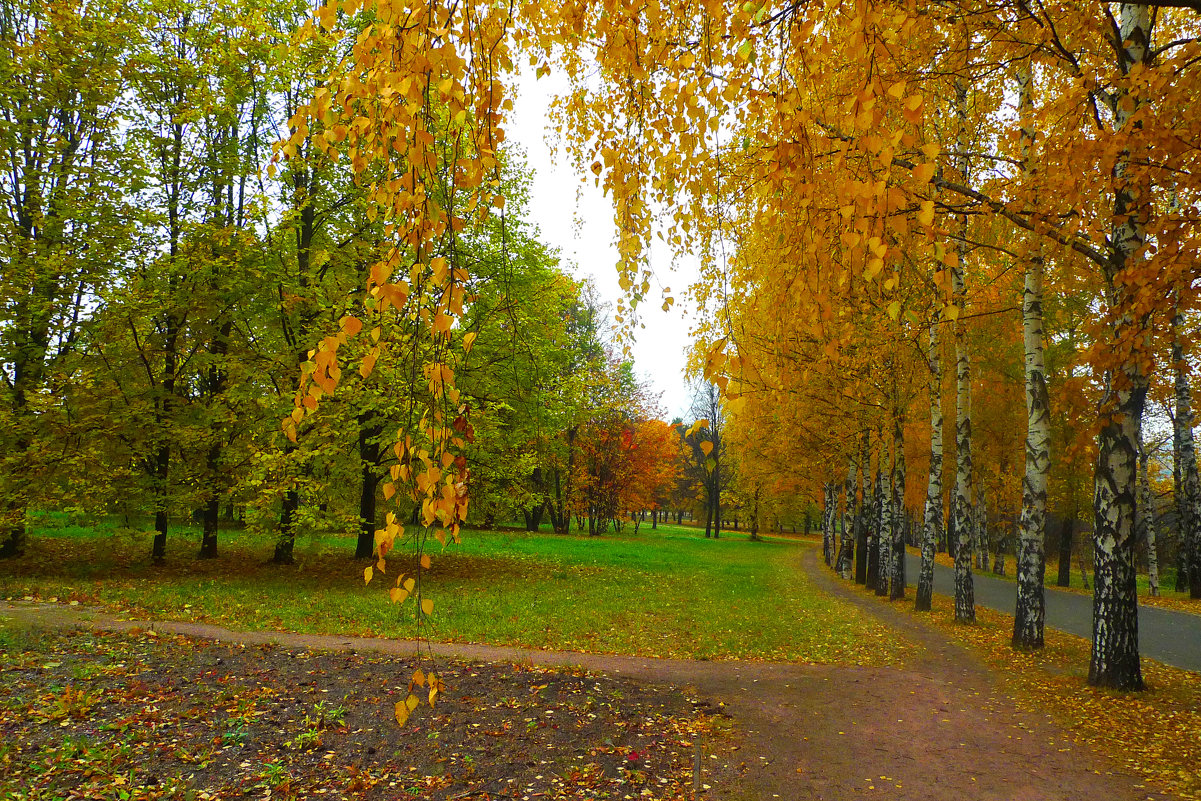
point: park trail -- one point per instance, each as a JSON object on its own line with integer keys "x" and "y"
{"x": 938, "y": 728}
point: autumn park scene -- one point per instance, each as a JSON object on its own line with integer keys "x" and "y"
{"x": 635, "y": 399}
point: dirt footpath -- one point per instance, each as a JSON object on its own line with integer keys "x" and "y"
{"x": 938, "y": 729}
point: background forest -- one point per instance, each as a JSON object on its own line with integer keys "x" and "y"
{"x": 166, "y": 278}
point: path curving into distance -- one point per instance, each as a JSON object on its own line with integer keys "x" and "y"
{"x": 1164, "y": 635}
{"x": 937, "y": 729}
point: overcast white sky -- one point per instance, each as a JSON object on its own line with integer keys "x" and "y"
{"x": 577, "y": 218}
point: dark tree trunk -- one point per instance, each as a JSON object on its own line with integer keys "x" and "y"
{"x": 369, "y": 453}
{"x": 212, "y": 512}
{"x": 285, "y": 546}
{"x": 162, "y": 466}
{"x": 1066, "y": 531}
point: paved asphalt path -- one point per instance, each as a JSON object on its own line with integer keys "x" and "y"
{"x": 1164, "y": 635}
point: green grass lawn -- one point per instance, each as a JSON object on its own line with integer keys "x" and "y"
{"x": 668, "y": 592}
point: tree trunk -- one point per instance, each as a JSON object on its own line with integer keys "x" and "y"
{"x": 932, "y": 524}
{"x": 212, "y": 509}
{"x": 872, "y": 515}
{"x": 983, "y": 538}
{"x": 827, "y": 520}
{"x": 965, "y": 601}
{"x": 1115, "y": 659}
{"x": 897, "y": 567}
{"x": 884, "y": 531}
{"x": 1066, "y": 531}
{"x": 846, "y": 552}
{"x": 369, "y": 453}
{"x": 1030, "y": 612}
{"x": 1146, "y": 519}
{"x": 1190, "y": 524}
{"x": 716, "y": 492}
{"x": 861, "y": 546}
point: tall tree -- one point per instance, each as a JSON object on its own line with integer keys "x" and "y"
{"x": 1031, "y": 566}
{"x": 63, "y": 213}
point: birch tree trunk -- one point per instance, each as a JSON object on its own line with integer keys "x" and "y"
{"x": 965, "y": 600}
{"x": 1115, "y": 660}
{"x": 1190, "y": 522}
{"x": 846, "y": 554}
{"x": 1146, "y": 518}
{"x": 1030, "y": 614}
{"x": 861, "y": 546}
{"x": 873, "y": 524}
{"x": 932, "y": 529}
{"x": 897, "y": 564}
{"x": 884, "y": 532}
{"x": 827, "y": 520}
{"x": 983, "y": 541}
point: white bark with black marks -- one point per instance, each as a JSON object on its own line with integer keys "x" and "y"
{"x": 1190, "y": 506}
{"x": 1030, "y": 614}
{"x": 1146, "y": 518}
{"x": 846, "y": 553}
{"x": 1115, "y": 659}
{"x": 897, "y": 563}
{"x": 932, "y": 528}
{"x": 965, "y": 598}
{"x": 884, "y": 532}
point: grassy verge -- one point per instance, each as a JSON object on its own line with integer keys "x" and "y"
{"x": 669, "y": 592}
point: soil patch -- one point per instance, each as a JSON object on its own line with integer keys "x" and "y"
{"x": 938, "y": 729}
{"x": 139, "y": 714}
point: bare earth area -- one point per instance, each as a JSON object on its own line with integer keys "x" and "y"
{"x": 533, "y": 724}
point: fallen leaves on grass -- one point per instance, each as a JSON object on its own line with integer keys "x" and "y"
{"x": 85, "y": 713}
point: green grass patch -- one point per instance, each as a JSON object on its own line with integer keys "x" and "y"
{"x": 669, "y": 592}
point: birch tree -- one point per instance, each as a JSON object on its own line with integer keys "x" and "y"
{"x": 1031, "y": 564}
{"x": 932, "y": 525}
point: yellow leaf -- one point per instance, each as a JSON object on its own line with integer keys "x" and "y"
{"x": 427, "y": 606}
{"x": 873, "y": 269}
{"x": 924, "y": 172}
{"x": 419, "y": 677}
{"x": 706, "y": 447}
{"x": 896, "y": 90}
{"x": 925, "y": 214}
{"x": 409, "y": 585}
{"x": 468, "y": 341}
{"x": 389, "y": 490}
{"x": 402, "y": 713}
{"x": 425, "y": 561}
{"x": 596, "y": 168}
{"x": 367, "y": 573}
{"x": 952, "y": 312}
{"x": 395, "y": 594}
{"x": 367, "y": 366}
{"x": 894, "y": 309}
